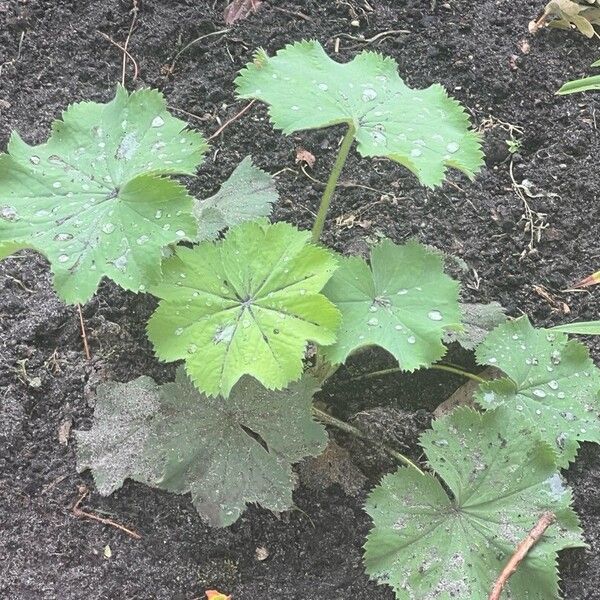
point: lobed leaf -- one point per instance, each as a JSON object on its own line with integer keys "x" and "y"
{"x": 552, "y": 383}
{"x": 403, "y": 302}
{"x": 226, "y": 452}
{"x": 248, "y": 194}
{"x": 248, "y": 304}
{"x": 424, "y": 130}
{"x": 93, "y": 199}
{"x": 428, "y": 543}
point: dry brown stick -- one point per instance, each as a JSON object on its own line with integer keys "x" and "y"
{"x": 86, "y": 347}
{"x": 230, "y": 121}
{"x": 82, "y": 514}
{"x": 125, "y": 52}
{"x": 533, "y": 537}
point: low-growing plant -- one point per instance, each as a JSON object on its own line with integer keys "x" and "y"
{"x": 585, "y": 84}
{"x": 243, "y": 299}
{"x": 582, "y": 15}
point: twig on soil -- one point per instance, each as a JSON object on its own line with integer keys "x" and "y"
{"x": 86, "y": 347}
{"x": 371, "y": 40}
{"x": 125, "y": 53}
{"x": 292, "y": 12}
{"x": 230, "y": 121}
{"x": 82, "y": 514}
{"x": 14, "y": 60}
{"x": 134, "y": 12}
{"x": 533, "y": 537}
{"x": 171, "y": 68}
{"x": 328, "y": 419}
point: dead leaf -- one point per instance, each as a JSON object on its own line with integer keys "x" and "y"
{"x": 261, "y": 553}
{"x": 304, "y": 156}
{"x": 463, "y": 396}
{"x": 240, "y": 9}
{"x": 214, "y": 595}
{"x": 63, "y": 432}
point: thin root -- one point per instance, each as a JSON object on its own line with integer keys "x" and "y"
{"x": 82, "y": 514}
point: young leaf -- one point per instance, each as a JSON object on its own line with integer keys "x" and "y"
{"x": 227, "y": 452}
{"x": 551, "y": 382}
{"x": 581, "y": 327}
{"x": 245, "y": 305}
{"x": 478, "y": 320}
{"x": 403, "y": 302}
{"x": 91, "y": 198}
{"x": 424, "y": 130}
{"x": 426, "y": 543}
{"x": 249, "y": 193}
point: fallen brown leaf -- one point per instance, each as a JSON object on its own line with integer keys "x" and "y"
{"x": 240, "y": 9}
{"x": 304, "y": 156}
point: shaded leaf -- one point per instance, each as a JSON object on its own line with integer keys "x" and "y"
{"x": 427, "y": 543}
{"x": 247, "y": 304}
{"x": 478, "y": 320}
{"x": 249, "y": 193}
{"x": 403, "y": 302}
{"x": 552, "y": 383}
{"x": 91, "y": 198}
{"x": 424, "y": 130}
{"x": 226, "y": 452}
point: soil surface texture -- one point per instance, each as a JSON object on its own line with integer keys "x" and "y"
{"x": 52, "y": 53}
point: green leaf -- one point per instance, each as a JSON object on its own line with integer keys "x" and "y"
{"x": 226, "y": 451}
{"x": 478, "y": 320}
{"x": 501, "y": 478}
{"x": 403, "y": 302}
{"x": 91, "y": 198}
{"x": 249, "y": 193}
{"x": 551, "y": 382}
{"x": 245, "y": 305}
{"x": 580, "y": 85}
{"x": 424, "y": 130}
{"x": 581, "y": 327}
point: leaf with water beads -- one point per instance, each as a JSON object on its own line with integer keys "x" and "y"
{"x": 428, "y": 543}
{"x": 403, "y": 302}
{"x": 247, "y": 304}
{"x": 93, "y": 199}
{"x": 226, "y": 452}
{"x": 552, "y": 383}
{"x": 424, "y": 130}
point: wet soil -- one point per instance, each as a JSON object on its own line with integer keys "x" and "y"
{"x": 52, "y": 54}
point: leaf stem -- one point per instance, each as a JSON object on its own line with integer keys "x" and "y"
{"x": 439, "y": 367}
{"x": 317, "y": 229}
{"x": 328, "y": 419}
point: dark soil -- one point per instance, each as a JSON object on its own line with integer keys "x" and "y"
{"x": 51, "y": 54}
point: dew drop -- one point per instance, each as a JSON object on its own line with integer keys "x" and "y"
{"x": 9, "y": 213}
{"x": 492, "y": 360}
{"x": 398, "y": 327}
{"x": 180, "y": 233}
{"x": 369, "y": 94}
{"x": 452, "y": 147}
{"x": 179, "y": 331}
{"x": 402, "y": 292}
{"x": 108, "y": 227}
{"x": 192, "y": 348}
{"x": 57, "y": 184}
{"x": 373, "y": 321}
{"x": 63, "y": 258}
{"x": 158, "y": 214}
{"x": 411, "y": 339}
{"x": 323, "y": 87}
{"x": 63, "y": 237}
{"x": 539, "y": 393}
{"x": 553, "y": 384}
{"x": 435, "y": 315}
{"x": 158, "y": 122}
{"x": 295, "y": 107}
{"x": 142, "y": 239}
{"x": 35, "y": 160}
{"x": 416, "y": 152}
